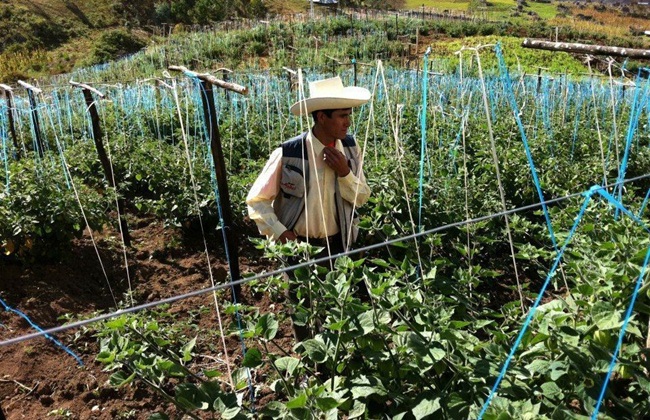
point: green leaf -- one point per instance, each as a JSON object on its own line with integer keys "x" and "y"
{"x": 364, "y": 386}
{"x": 116, "y": 323}
{"x": 190, "y": 396}
{"x": 606, "y": 317}
{"x": 426, "y": 407}
{"x": 106, "y": 357}
{"x": 337, "y": 326}
{"x": 327, "y": 403}
{"x": 212, "y": 373}
{"x": 366, "y": 322}
{"x": 212, "y": 389}
{"x": 380, "y": 262}
{"x": 253, "y": 358}
{"x": 120, "y": 378}
{"x": 288, "y": 364}
{"x": 315, "y": 350}
{"x": 172, "y": 368}
{"x": 230, "y": 413}
{"x": 267, "y": 325}
{"x": 358, "y": 410}
{"x": 240, "y": 377}
{"x": 551, "y": 390}
{"x": 299, "y": 402}
{"x": 187, "y": 350}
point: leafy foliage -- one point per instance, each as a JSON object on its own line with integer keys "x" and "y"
{"x": 40, "y": 213}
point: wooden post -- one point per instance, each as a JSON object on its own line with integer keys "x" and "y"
{"x": 290, "y": 74}
{"x": 101, "y": 152}
{"x": 8, "y": 94}
{"x": 354, "y": 69}
{"x": 396, "y": 25}
{"x": 31, "y": 92}
{"x": 539, "y": 79}
{"x": 209, "y": 111}
{"x": 224, "y": 73}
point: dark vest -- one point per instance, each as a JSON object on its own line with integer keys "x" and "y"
{"x": 289, "y": 204}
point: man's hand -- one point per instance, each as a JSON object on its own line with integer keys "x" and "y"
{"x": 335, "y": 160}
{"x": 286, "y": 236}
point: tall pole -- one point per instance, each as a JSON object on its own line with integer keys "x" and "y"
{"x": 10, "y": 117}
{"x": 31, "y": 92}
{"x": 101, "y": 152}
{"x": 212, "y": 124}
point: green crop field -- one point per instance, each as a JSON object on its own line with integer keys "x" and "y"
{"x": 500, "y": 270}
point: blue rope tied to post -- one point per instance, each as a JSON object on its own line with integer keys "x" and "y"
{"x": 522, "y": 131}
{"x": 533, "y": 308}
{"x": 635, "y": 114}
{"x": 4, "y": 152}
{"x": 213, "y": 175}
{"x": 588, "y": 195}
{"x": 628, "y": 313}
{"x": 39, "y": 329}
{"x": 423, "y": 131}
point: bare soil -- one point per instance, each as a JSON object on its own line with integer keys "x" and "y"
{"x": 39, "y": 379}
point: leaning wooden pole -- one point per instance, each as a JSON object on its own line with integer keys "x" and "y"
{"x": 212, "y": 124}
{"x": 32, "y": 91}
{"x": 8, "y": 94}
{"x": 101, "y": 152}
{"x": 586, "y": 48}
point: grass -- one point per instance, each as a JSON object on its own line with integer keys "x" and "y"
{"x": 287, "y": 6}
{"x": 81, "y": 14}
{"x": 524, "y": 60}
{"x": 543, "y": 10}
{"x": 459, "y": 5}
{"x": 609, "y": 21}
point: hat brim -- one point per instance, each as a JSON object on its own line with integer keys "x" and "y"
{"x": 353, "y": 97}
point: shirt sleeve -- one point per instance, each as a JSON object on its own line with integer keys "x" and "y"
{"x": 261, "y": 195}
{"x": 354, "y": 189}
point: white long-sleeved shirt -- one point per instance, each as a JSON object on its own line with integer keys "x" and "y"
{"x": 318, "y": 220}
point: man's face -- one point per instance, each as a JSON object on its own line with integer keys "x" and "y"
{"x": 337, "y": 125}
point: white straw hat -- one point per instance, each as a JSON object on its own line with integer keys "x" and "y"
{"x": 330, "y": 94}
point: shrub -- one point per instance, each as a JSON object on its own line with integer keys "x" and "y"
{"x": 112, "y": 45}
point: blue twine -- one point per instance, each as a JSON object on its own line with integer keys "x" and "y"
{"x": 588, "y": 195}
{"x": 619, "y": 343}
{"x": 533, "y": 309}
{"x": 423, "y": 131}
{"x": 39, "y": 329}
{"x": 635, "y": 111}
{"x": 522, "y": 131}
{"x": 576, "y": 125}
{"x": 5, "y": 154}
{"x": 645, "y": 201}
{"x": 628, "y": 313}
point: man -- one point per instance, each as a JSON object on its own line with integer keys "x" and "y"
{"x": 312, "y": 183}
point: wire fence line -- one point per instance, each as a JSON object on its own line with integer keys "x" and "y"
{"x": 199, "y": 292}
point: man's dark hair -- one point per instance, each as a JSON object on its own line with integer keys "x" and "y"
{"x": 327, "y": 112}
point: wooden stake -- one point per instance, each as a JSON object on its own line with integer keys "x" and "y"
{"x": 101, "y": 152}
{"x": 31, "y": 92}
{"x": 210, "y": 113}
{"x": 8, "y": 94}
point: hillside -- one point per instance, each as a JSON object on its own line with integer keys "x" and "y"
{"x": 46, "y": 37}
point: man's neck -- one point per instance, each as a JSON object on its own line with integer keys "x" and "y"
{"x": 327, "y": 141}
